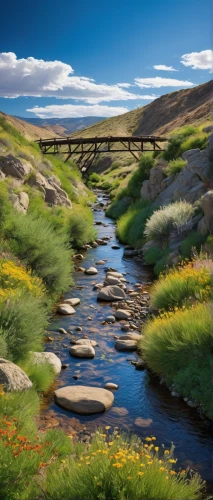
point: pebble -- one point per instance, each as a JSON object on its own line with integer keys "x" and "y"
{"x": 50, "y": 339}
{"x": 78, "y": 329}
{"x": 192, "y": 404}
{"x": 110, "y": 386}
{"x": 110, "y": 319}
{"x": 78, "y": 256}
{"x": 62, "y": 330}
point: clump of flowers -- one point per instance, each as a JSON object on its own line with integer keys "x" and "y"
{"x": 15, "y": 276}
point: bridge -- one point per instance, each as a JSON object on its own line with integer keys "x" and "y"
{"x": 88, "y": 147}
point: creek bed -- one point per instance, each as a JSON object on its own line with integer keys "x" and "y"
{"x": 141, "y": 404}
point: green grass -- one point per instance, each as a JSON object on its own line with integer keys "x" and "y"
{"x": 193, "y": 241}
{"x": 35, "y": 242}
{"x": 79, "y": 227}
{"x": 23, "y": 319}
{"x": 181, "y": 286}
{"x": 118, "y": 208}
{"x": 167, "y": 219}
{"x": 5, "y": 207}
{"x": 175, "y": 343}
{"x": 175, "y": 166}
{"x": 41, "y": 375}
{"x": 130, "y": 226}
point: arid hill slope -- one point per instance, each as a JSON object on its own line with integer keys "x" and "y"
{"x": 29, "y": 131}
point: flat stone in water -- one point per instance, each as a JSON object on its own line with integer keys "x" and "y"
{"x": 122, "y": 314}
{"x": 82, "y": 351}
{"x": 111, "y": 293}
{"x": 72, "y": 302}
{"x": 84, "y": 400}
{"x": 93, "y": 343}
{"x": 91, "y": 271}
{"x": 126, "y": 345}
{"x": 111, "y": 387}
{"x": 65, "y": 309}
{"x": 110, "y": 319}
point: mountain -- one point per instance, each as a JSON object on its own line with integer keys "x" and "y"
{"x": 160, "y": 117}
{"x": 63, "y": 126}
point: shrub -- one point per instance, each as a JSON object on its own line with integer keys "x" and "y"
{"x": 200, "y": 141}
{"x": 181, "y": 284}
{"x": 13, "y": 276}
{"x": 175, "y": 341}
{"x": 162, "y": 264}
{"x": 23, "y": 319}
{"x": 114, "y": 166}
{"x": 105, "y": 185}
{"x": 121, "y": 470}
{"x": 118, "y": 208}
{"x": 42, "y": 375}
{"x": 131, "y": 225}
{"x": 193, "y": 240}
{"x": 5, "y": 207}
{"x": 35, "y": 242}
{"x": 94, "y": 177}
{"x": 174, "y": 147}
{"x": 165, "y": 220}
{"x": 153, "y": 255}
{"x": 175, "y": 166}
{"x": 80, "y": 227}
{"x": 139, "y": 175}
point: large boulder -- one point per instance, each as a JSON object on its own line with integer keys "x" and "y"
{"x": 207, "y": 206}
{"x": 21, "y": 201}
{"x": 111, "y": 293}
{"x": 82, "y": 351}
{"x": 93, "y": 343}
{"x": 12, "y": 377}
{"x": 10, "y": 165}
{"x": 112, "y": 280}
{"x": 84, "y": 400}
{"x": 40, "y": 358}
{"x": 53, "y": 194}
{"x": 152, "y": 187}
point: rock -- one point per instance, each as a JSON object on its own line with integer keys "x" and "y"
{"x": 192, "y": 404}
{"x": 79, "y": 329}
{"x": 115, "y": 274}
{"x": 111, "y": 293}
{"x": 111, "y": 387}
{"x": 207, "y": 206}
{"x": 125, "y": 328}
{"x": 20, "y": 201}
{"x": 175, "y": 394}
{"x": 208, "y": 130}
{"x": 115, "y": 247}
{"x": 111, "y": 280}
{"x": 12, "y": 377}
{"x": 130, "y": 253}
{"x": 131, "y": 336}
{"x": 53, "y": 193}
{"x": 39, "y": 358}
{"x": 101, "y": 242}
{"x": 82, "y": 269}
{"x": 93, "y": 343}
{"x": 202, "y": 227}
{"x": 78, "y": 256}
{"x": 64, "y": 366}
{"x": 82, "y": 351}
{"x": 94, "y": 244}
{"x": 84, "y": 400}
{"x": 100, "y": 262}
{"x": 140, "y": 365}
{"x": 98, "y": 286}
{"x": 110, "y": 319}
{"x": 65, "y": 309}
{"x": 62, "y": 331}
{"x": 49, "y": 339}
{"x": 152, "y": 187}
{"x": 91, "y": 270}
{"x": 10, "y": 165}
{"x": 122, "y": 314}
{"x": 126, "y": 345}
{"x": 72, "y": 302}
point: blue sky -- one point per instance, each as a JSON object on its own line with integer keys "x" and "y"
{"x": 70, "y": 58}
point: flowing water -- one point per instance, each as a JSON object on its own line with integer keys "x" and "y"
{"x": 141, "y": 404}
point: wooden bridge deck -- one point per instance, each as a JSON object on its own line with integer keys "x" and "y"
{"x": 88, "y": 147}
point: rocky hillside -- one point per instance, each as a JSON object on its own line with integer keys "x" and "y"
{"x": 160, "y": 117}
{"x": 63, "y": 126}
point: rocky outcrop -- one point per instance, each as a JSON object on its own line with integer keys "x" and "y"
{"x": 20, "y": 201}
{"x": 10, "y": 165}
{"x": 152, "y": 187}
{"x": 12, "y": 377}
{"x": 53, "y": 193}
{"x": 84, "y": 400}
{"x": 207, "y": 206}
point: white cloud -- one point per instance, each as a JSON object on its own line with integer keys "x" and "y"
{"x": 35, "y": 77}
{"x": 158, "y": 82}
{"x": 162, "y": 67}
{"x": 198, "y": 60}
{"x": 76, "y": 111}
{"x": 125, "y": 85}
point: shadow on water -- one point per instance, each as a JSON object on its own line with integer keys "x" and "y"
{"x": 141, "y": 404}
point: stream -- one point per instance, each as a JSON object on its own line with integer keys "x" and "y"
{"x": 141, "y": 404}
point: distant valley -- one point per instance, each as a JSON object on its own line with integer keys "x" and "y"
{"x": 63, "y": 126}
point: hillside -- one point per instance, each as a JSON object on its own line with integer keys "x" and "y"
{"x": 160, "y": 117}
{"x": 28, "y": 130}
{"x": 63, "y": 126}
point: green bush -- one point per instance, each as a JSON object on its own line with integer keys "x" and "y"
{"x": 153, "y": 255}
{"x": 5, "y": 207}
{"x": 114, "y": 166}
{"x": 23, "y": 319}
{"x": 167, "y": 219}
{"x": 80, "y": 227}
{"x": 94, "y": 177}
{"x": 118, "y": 208}
{"x": 193, "y": 240}
{"x": 162, "y": 264}
{"x": 175, "y": 166}
{"x": 174, "y": 148}
{"x": 139, "y": 175}
{"x": 189, "y": 282}
{"x": 200, "y": 141}
{"x": 35, "y": 242}
{"x": 180, "y": 340}
{"x": 130, "y": 227}
{"x": 42, "y": 375}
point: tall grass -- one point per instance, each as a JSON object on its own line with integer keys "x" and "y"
{"x": 79, "y": 227}
{"x": 180, "y": 286}
{"x": 165, "y": 220}
{"x": 174, "y": 343}
{"x": 175, "y": 166}
{"x": 35, "y": 242}
{"x": 130, "y": 227}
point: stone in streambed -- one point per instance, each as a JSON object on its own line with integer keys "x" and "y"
{"x": 39, "y": 358}
{"x": 12, "y": 377}
{"x": 110, "y": 319}
{"x": 82, "y": 351}
{"x": 126, "y": 345}
{"x": 72, "y": 302}
{"x": 91, "y": 271}
{"x": 111, "y": 280}
{"x": 84, "y": 341}
{"x": 122, "y": 314}
{"x": 100, "y": 262}
{"x": 114, "y": 273}
{"x": 111, "y": 293}
{"x": 131, "y": 336}
{"x": 65, "y": 309}
{"x": 111, "y": 387}
{"x": 140, "y": 365}
{"x": 62, "y": 331}
{"x": 84, "y": 400}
